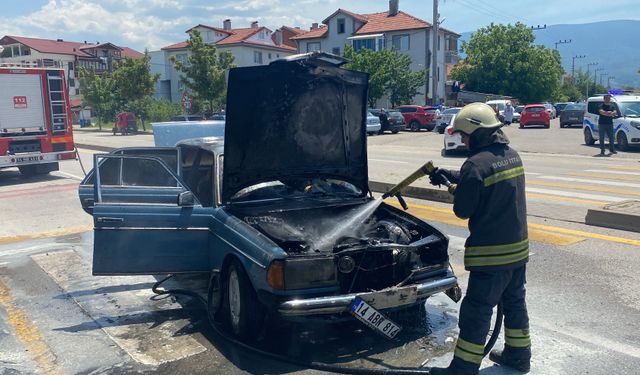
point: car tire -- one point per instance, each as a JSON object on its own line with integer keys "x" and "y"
{"x": 242, "y": 312}
{"x": 622, "y": 141}
{"x": 562, "y": 126}
{"x": 414, "y": 126}
{"x": 28, "y": 171}
{"x": 521, "y": 126}
{"x": 394, "y": 131}
{"x": 588, "y": 137}
{"x": 547, "y": 126}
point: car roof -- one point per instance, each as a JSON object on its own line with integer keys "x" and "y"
{"x": 534, "y": 105}
{"x": 213, "y": 144}
{"x": 618, "y": 98}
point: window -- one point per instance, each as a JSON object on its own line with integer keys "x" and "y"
{"x": 72, "y": 82}
{"x": 341, "y": 25}
{"x": 374, "y": 44}
{"x": 407, "y": 109}
{"x": 269, "y": 55}
{"x": 439, "y": 38}
{"x": 593, "y": 107}
{"x": 400, "y": 42}
{"x": 145, "y": 172}
{"x": 313, "y": 46}
{"x": 438, "y": 73}
{"x": 182, "y": 57}
{"x": 336, "y": 51}
{"x": 77, "y": 91}
{"x": 257, "y": 57}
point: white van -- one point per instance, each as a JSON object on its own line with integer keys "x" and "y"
{"x": 626, "y": 127}
{"x": 501, "y": 104}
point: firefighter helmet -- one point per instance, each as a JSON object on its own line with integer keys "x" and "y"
{"x": 475, "y": 116}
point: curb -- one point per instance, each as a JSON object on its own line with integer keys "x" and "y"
{"x": 429, "y": 194}
{"x": 623, "y": 215}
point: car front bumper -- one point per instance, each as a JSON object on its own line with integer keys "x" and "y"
{"x": 341, "y": 303}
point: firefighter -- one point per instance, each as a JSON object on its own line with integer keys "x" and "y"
{"x": 491, "y": 194}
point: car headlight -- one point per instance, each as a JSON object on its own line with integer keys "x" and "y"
{"x": 302, "y": 273}
{"x": 635, "y": 124}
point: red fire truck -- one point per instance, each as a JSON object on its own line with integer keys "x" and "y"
{"x": 35, "y": 120}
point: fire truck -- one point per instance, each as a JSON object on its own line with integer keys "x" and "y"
{"x": 35, "y": 120}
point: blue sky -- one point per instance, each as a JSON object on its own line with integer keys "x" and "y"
{"x": 153, "y": 24}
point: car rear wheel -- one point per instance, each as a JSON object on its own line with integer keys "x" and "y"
{"x": 242, "y": 312}
{"x": 588, "y": 137}
{"x": 394, "y": 132}
{"x": 415, "y": 126}
{"x": 623, "y": 143}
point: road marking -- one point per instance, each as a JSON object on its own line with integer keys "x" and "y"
{"x": 390, "y": 161}
{"x": 45, "y": 189}
{"x": 613, "y": 172}
{"x": 28, "y": 333}
{"x": 71, "y": 175}
{"x": 596, "y": 182}
{"x": 600, "y": 189}
{"x": 620, "y": 178}
{"x": 28, "y": 249}
{"x": 624, "y": 168}
{"x": 447, "y": 216}
{"x": 592, "y": 197}
{"x": 564, "y": 199}
{"x": 592, "y": 235}
{"x": 46, "y": 234}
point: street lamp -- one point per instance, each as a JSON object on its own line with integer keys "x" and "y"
{"x": 573, "y": 63}
{"x": 565, "y": 41}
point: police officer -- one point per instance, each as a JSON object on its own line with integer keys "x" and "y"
{"x": 491, "y": 194}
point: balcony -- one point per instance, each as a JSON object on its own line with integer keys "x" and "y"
{"x": 451, "y": 57}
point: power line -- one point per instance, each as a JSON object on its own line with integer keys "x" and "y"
{"x": 517, "y": 18}
{"x": 482, "y": 10}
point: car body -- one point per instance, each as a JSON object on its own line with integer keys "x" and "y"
{"x": 390, "y": 120}
{"x": 559, "y": 107}
{"x": 626, "y": 126}
{"x": 446, "y": 117}
{"x": 453, "y": 141}
{"x": 373, "y": 124}
{"x": 500, "y": 104}
{"x": 417, "y": 117}
{"x": 274, "y": 213}
{"x": 217, "y": 116}
{"x": 188, "y": 118}
{"x": 535, "y": 114}
{"x": 551, "y": 110}
{"x": 572, "y": 114}
{"x": 517, "y": 113}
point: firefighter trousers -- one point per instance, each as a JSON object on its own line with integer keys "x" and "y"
{"x": 485, "y": 290}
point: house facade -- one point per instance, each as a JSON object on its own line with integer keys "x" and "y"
{"x": 391, "y": 29}
{"x": 71, "y": 56}
{"x": 250, "y": 46}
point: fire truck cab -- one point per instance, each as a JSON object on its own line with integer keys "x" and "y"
{"x": 35, "y": 120}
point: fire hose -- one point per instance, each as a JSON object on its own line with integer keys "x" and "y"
{"x": 427, "y": 169}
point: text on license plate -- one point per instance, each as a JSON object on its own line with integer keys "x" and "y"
{"x": 536, "y": 115}
{"x": 25, "y": 159}
{"x": 374, "y": 319}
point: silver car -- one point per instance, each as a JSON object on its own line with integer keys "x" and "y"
{"x": 446, "y": 117}
{"x": 373, "y": 124}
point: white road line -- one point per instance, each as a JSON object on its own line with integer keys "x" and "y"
{"x": 587, "y": 181}
{"x": 613, "y": 172}
{"x": 30, "y": 249}
{"x": 561, "y": 193}
{"x": 390, "y": 161}
{"x": 71, "y": 175}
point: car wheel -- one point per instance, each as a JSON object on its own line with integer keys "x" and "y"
{"x": 521, "y": 126}
{"x": 588, "y": 137}
{"x": 623, "y": 143}
{"x": 242, "y": 312}
{"x": 547, "y": 126}
{"x": 28, "y": 171}
{"x": 394, "y": 132}
{"x": 415, "y": 126}
{"x": 562, "y": 126}
{"x": 381, "y": 132}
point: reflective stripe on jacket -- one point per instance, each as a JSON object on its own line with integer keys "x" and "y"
{"x": 491, "y": 194}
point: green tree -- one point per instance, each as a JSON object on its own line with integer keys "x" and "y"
{"x": 162, "y": 110}
{"x": 205, "y": 71}
{"x": 403, "y": 83}
{"x": 98, "y": 92}
{"x": 502, "y": 59}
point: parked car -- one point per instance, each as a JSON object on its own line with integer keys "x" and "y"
{"x": 373, "y": 124}
{"x": 417, "y": 117}
{"x": 217, "y": 116}
{"x": 559, "y": 107}
{"x": 535, "y": 114}
{"x": 390, "y": 120}
{"x": 572, "y": 114}
{"x": 188, "y": 118}
{"x": 274, "y": 214}
{"x": 626, "y": 126}
{"x": 551, "y": 110}
{"x": 499, "y": 104}
{"x": 447, "y": 115}
{"x": 453, "y": 141}
{"x": 517, "y": 113}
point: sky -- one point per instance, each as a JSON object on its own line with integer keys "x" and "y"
{"x": 153, "y": 24}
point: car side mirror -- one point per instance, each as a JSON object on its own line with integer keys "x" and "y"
{"x": 186, "y": 199}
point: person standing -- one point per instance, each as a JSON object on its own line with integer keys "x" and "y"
{"x": 605, "y": 124}
{"x": 508, "y": 114}
{"x": 491, "y": 194}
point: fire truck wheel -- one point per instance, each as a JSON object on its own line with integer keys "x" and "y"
{"x": 28, "y": 170}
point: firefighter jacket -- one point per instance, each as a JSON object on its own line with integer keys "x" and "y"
{"x": 491, "y": 194}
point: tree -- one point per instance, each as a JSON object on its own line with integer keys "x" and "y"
{"x": 501, "y": 59}
{"x": 204, "y": 73}
{"x": 368, "y": 61}
{"x": 98, "y": 93}
{"x": 403, "y": 83}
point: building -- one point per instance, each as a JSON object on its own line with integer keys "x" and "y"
{"x": 250, "y": 46}
{"x": 36, "y": 52}
{"x": 391, "y": 29}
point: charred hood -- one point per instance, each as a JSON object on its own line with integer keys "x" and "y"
{"x": 300, "y": 117}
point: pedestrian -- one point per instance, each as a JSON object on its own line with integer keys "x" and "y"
{"x": 491, "y": 194}
{"x": 605, "y": 124}
{"x": 508, "y": 114}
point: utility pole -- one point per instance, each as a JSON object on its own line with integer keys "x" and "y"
{"x": 609, "y": 81}
{"x": 434, "y": 53}
{"x": 562, "y": 42}
{"x": 588, "y": 65}
{"x": 602, "y": 74}
{"x": 573, "y": 64}
{"x": 595, "y": 76}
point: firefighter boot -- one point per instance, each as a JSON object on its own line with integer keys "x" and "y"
{"x": 504, "y": 358}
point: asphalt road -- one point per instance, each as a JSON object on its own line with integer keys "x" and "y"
{"x": 582, "y": 281}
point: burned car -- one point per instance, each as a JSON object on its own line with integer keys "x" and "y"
{"x": 278, "y": 213}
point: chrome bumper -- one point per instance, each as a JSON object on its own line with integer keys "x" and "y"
{"x": 342, "y": 303}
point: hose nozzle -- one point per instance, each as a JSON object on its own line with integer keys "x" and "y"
{"x": 424, "y": 170}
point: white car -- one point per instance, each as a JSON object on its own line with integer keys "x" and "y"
{"x": 373, "y": 124}
{"x": 453, "y": 142}
{"x": 626, "y": 127}
{"x": 551, "y": 110}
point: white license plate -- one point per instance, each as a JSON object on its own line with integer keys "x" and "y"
{"x": 374, "y": 319}
{"x": 27, "y": 159}
{"x": 535, "y": 115}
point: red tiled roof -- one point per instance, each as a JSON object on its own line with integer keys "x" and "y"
{"x": 132, "y": 53}
{"x": 240, "y": 35}
{"x": 382, "y": 22}
{"x": 181, "y": 45}
{"x": 211, "y": 28}
{"x": 359, "y": 17}
{"x": 295, "y": 30}
{"x": 47, "y": 45}
{"x": 317, "y": 33}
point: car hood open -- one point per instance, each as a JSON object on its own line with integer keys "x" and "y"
{"x": 303, "y": 116}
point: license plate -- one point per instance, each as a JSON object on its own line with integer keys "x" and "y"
{"x": 374, "y": 319}
{"x": 26, "y": 159}
{"x": 535, "y": 115}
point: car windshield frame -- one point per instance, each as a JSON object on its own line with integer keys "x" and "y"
{"x": 629, "y": 106}
{"x": 535, "y": 109}
{"x": 451, "y": 111}
{"x": 575, "y": 107}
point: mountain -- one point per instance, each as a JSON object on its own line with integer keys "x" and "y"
{"x": 614, "y": 45}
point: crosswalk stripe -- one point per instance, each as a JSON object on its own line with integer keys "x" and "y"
{"x": 613, "y": 172}
{"x": 592, "y": 181}
{"x": 624, "y": 167}
{"x": 599, "y": 189}
{"x": 614, "y": 177}
{"x": 571, "y": 194}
